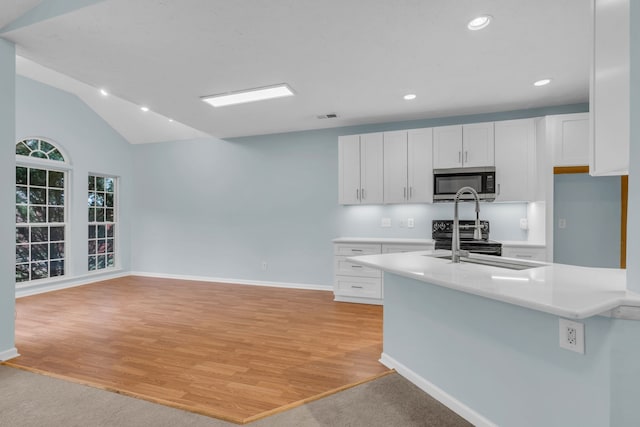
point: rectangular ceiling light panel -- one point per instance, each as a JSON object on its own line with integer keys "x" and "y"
{"x": 249, "y": 95}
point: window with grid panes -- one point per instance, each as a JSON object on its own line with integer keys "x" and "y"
{"x": 40, "y": 211}
{"x": 102, "y": 222}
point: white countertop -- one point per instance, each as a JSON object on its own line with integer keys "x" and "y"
{"x": 563, "y": 290}
{"x": 410, "y": 241}
{"x": 388, "y": 240}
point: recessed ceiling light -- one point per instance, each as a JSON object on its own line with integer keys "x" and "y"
{"x": 410, "y": 96}
{"x": 479, "y": 22}
{"x": 542, "y": 82}
{"x": 171, "y": 120}
{"x": 104, "y": 92}
{"x": 145, "y": 109}
{"x": 248, "y": 95}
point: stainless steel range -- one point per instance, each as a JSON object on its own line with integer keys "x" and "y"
{"x": 442, "y": 232}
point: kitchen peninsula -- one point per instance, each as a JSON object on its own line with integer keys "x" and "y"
{"x": 484, "y": 340}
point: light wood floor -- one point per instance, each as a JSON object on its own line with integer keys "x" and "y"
{"x": 233, "y": 352}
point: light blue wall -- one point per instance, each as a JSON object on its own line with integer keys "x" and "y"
{"x": 7, "y": 196}
{"x": 504, "y": 362}
{"x": 591, "y": 208}
{"x": 633, "y": 227}
{"x": 217, "y": 208}
{"x": 92, "y": 146}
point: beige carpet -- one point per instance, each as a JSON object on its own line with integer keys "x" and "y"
{"x": 29, "y": 400}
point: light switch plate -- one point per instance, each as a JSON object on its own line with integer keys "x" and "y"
{"x": 409, "y": 222}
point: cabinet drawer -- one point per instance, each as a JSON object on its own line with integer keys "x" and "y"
{"x": 346, "y": 268}
{"x": 358, "y": 287}
{"x": 353, "y": 249}
{"x": 534, "y": 254}
{"x": 391, "y": 249}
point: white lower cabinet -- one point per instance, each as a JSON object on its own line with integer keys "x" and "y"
{"x": 360, "y": 284}
{"x": 519, "y": 252}
{"x": 358, "y": 287}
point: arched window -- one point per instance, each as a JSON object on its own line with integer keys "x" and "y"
{"x": 41, "y": 217}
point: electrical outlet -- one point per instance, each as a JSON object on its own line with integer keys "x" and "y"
{"x": 409, "y": 222}
{"x": 524, "y": 224}
{"x": 562, "y": 223}
{"x": 265, "y": 265}
{"x": 385, "y": 222}
{"x": 571, "y": 335}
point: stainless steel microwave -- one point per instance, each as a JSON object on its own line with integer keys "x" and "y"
{"x": 447, "y": 182}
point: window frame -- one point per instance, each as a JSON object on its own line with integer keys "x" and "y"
{"x": 116, "y": 235}
{"x": 65, "y": 167}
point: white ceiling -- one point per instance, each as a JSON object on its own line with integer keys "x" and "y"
{"x": 356, "y": 58}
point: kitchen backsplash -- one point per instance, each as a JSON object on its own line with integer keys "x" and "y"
{"x": 365, "y": 221}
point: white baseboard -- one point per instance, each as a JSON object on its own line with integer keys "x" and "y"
{"x": 434, "y": 391}
{"x": 36, "y": 288}
{"x": 235, "y": 281}
{"x": 8, "y": 354}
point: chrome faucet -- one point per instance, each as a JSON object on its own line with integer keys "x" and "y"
{"x": 456, "y": 253}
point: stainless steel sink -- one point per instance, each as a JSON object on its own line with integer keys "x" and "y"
{"x": 493, "y": 261}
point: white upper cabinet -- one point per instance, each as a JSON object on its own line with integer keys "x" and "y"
{"x": 420, "y": 165}
{"x": 408, "y": 172}
{"x": 570, "y": 139}
{"x": 371, "y": 168}
{"x": 395, "y": 167}
{"x": 463, "y": 146}
{"x": 349, "y": 169}
{"x": 610, "y": 85}
{"x": 447, "y": 147}
{"x": 360, "y": 166}
{"x": 515, "y": 160}
{"x": 478, "y": 145}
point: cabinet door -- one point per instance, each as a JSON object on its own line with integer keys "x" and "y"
{"x": 342, "y": 267}
{"x": 395, "y": 167}
{"x": 515, "y": 160}
{"x": 420, "y": 165}
{"x": 477, "y": 145}
{"x": 447, "y": 147}
{"x": 349, "y": 169}
{"x": 371, "y": 168}
{"x": 609, "y": 100}
{"x": 571, "y": 140}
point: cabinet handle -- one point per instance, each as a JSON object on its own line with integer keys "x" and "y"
{"x": 411, "y": 192}
{"x": 356, "y": 250}
{"x": 524, "y": 256}
{"x": 362, "y": 194}
{"x": 405, "y": 192}
{"x": 466, "y": 156}
{"x": 356, "y": 266}
{"x": 459, "y": 156}
{"x": 357, "y": 193}
{"x": 356, "y": 287}
{"x": 498, "y": 189}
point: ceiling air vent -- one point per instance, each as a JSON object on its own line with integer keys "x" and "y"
{"x": 328, "y": 116}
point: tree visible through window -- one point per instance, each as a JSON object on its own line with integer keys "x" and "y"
{"x": 40, "y": 211}
{"x": 102, "y": 222}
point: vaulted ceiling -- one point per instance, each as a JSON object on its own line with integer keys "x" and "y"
{"x": 355, "y": 58}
